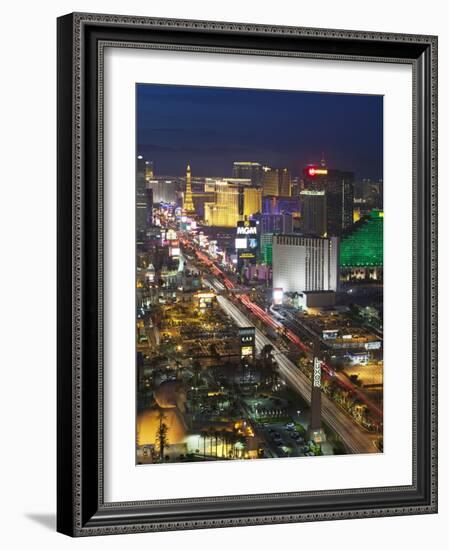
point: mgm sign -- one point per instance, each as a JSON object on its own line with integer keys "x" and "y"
{"x": 247, "y": 337}
{"x": 246, "y": 242}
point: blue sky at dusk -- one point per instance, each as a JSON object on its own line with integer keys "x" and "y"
{"x": 213, "y": 127}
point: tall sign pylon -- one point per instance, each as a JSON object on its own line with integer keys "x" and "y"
{"x": 316, "y": 432}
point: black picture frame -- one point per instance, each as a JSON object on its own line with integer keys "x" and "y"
{"x": 81, "y": 510}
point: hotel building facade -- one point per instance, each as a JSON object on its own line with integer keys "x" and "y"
{"x": 302, "y": 263}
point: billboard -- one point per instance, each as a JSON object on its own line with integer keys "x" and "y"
{"x": 247, "y": 255}
{"x": 278, "y": 295}
{"x": 241, "y": 243}
{"x": 247, "y": 337}
{"x": 247, "y": 351}
{"x": 252, "y": 243}
{"x": 246, "y": 242}
{"x": 205, "y": 299}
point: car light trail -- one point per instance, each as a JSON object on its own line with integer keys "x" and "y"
{"x": 356, "y": 439}
{"x": 288, "y": 333}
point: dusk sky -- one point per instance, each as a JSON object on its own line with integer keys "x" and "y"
{"x": 212, "y": 127}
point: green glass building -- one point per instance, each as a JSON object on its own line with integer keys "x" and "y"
{"x": 266, "y": 248}
{"x": 361, "y": 250}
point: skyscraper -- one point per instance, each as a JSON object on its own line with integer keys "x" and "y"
{"x": 248, "y": 170}
{"x": 314, "y": 213}
{"x": 149, "y": 170}
{"x": 252, "y": 200}
{"x": 339, "y": 188}
{"x": 149, "y": 194}
{"x": 233, "y": 200}
{"x": 276, "y": 223}
{"x": 188, "y": 206}
{"x": 285, "y": 182}
{"x": 303, "y": 264}
{"x": 277, "y": 182}
{"x": 270, "y": 181}
{"x": 141, "y": 198}
{"x": 226, "y": 210}
{"x": 164, "y": 190}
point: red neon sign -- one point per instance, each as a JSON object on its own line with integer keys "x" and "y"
{"x": 312, "y": 171}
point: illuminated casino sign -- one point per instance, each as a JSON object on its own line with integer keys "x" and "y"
{"x": 247, "y": 255}
{"x": 278, "y": 295}
{"x": 247, "y": 230}
{"x": 246, "y": 351}
{"x": 253, "y": 242}
{"x": 316, "y": 373}
{"x": 247, "y": 337}
{"x": 246, "y": 242}
{"x": 314, "y": 171}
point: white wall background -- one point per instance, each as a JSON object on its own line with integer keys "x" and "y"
{"x": 28, "y": 267}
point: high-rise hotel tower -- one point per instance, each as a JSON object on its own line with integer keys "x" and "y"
{"x": 302, "y": 264}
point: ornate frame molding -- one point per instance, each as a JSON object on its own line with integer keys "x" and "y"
{"x": 75, "y": 503}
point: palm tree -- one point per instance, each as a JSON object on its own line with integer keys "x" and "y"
{"x": 232, "y": 440}
{"x": 211, "y": 436}
{"x": 161, "y": 435}
{"x": 196, "y": 368}
{"x": 217, "y": 440}
{"x": 203, "y": 435}
{"x": 235, "y": 440}
{"x": 223, "y": 442}
{"x": 267, "y": 351}
{"x": 241, "y": 444}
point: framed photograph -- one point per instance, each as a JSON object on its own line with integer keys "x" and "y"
{"x": 246, "y": 274}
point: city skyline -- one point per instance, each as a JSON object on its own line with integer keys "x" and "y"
{"x": 210, "y": 128}
{"x": 259, "y": 289}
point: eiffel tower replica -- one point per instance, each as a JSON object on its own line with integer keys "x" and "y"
{"x": 188, "y": 206}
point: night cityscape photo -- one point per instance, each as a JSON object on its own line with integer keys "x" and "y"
{"x": 259, "y": 274}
